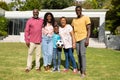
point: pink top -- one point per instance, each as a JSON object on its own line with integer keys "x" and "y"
{"x": 33, "y": 30}
{"x": 47, "y": 31}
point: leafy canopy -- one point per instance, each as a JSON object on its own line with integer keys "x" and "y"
{"x": 113, "y": 16}
{"x": 4, "y": 6}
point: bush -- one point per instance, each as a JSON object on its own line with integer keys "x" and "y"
{"x": 3, "y": 26}
{"x": 3, "y": 33}
{"x": 95, "y": 32}
{"x": 117, "y": 31}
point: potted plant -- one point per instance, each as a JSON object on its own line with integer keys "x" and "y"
{"x": 95, "y": 32}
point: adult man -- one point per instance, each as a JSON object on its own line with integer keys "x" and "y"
{"x": 33, "y": 36}
{"x": 81, "y": 26}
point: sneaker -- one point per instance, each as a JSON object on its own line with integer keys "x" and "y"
{"x": 58, "y": 69}
{"x": 45, "y": 67}
{"x": 38, "y": 69}
{"x": 27, "y": 70}
{"x": 54, "y": 69}
{"x": 79, "y": 72}
{"x": 83, "y": 75}
{"x": 75, "y": 71}
{"x": 65, "y": 70}
{"x": 48, "y": 67}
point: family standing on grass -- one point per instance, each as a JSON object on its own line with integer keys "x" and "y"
{"x": 41, "y": 35}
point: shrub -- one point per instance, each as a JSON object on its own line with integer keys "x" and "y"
{"x": 3, "y": 26}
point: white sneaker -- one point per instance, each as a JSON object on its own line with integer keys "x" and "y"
{"x": 58, "y": 69}
{"x": 54, "y": 69}
{"x": 83, "y": 75}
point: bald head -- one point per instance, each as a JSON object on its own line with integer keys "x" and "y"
{"x": 35, "y": 13}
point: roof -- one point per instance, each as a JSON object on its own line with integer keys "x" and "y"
{"x": 67, "y": 12}
{"x": 72, "y": 9}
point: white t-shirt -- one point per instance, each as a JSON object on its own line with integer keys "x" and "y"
{"x": 66, "y": 36}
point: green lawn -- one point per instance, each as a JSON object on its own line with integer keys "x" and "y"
{"x": 102, "y": 64}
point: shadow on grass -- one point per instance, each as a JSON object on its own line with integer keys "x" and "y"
{"x": 70, "y": 64}
{"x": 41, "y": 63}
{"x": 62, "y": 63}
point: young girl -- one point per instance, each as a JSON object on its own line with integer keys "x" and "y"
{"x": 67, "y": 36}
{"x": 56, "y": 50}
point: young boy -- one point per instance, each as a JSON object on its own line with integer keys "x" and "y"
{"x": 56, "y": 50}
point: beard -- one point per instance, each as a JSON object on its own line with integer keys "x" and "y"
{"x": 35, "y": 16}
{"x": 78, "y": 16}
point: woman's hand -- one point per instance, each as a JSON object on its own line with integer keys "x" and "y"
{"x": 74, "y": 45}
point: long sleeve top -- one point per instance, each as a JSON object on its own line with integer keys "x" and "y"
{"x": 33, "y": 30}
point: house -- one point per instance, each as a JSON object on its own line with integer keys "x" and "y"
{"x": 18, "y": 20}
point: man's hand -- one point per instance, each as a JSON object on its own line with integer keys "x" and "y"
{"x": 28, "y": 44}
{"x": 86, "y": 42}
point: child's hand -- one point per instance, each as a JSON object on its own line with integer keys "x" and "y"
{"x": 59, "y": 46}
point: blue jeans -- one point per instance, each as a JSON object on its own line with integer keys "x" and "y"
{"x": 69, "y": 55}
{"x": 57, "y": 57}
{"x": 47, "y": 50}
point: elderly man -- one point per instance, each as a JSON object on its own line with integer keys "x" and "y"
{"x": 33, "y": 37}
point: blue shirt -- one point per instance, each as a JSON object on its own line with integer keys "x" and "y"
{"x": 56, "y": 37}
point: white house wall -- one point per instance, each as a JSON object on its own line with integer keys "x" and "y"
{"x": 28, "y": 14}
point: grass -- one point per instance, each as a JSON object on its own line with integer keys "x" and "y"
{"x": 102, "y": 64}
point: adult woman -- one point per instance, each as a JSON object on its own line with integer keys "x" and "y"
{"x": 47, "y": 43}
{"x": 67, "y": 36}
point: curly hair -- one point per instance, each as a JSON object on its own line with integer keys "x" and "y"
{"x": 45, "y": 19}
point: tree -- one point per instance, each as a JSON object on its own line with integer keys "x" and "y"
{"x": 25, "y": 5}
{"x": 4, "y": 6}
{"x": 16, "y": 5}
{"x": 95, "y": 4}
{"x": 91, "y": 4}
{"x": 113, "y": 16}
{"x": 31, "y": 4}
{"x": 107, "y": 4}
{"x": 44, "y": 4}
{"x": 100, "y": 3}
{"x": 88, "y": 4}
{"x": 56, "y": 4}
{"x": 3, "y": 26}
{"x": 3, "y": 20}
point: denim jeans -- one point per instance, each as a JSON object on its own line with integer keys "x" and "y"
{"x": 57, "y": 57}
{"x": 69, "y": 55}
{"x": 81, "y": 52}
{"x": 47, "y": 50}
